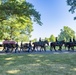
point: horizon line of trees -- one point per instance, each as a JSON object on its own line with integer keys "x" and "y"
{"x": 65, "y": 34}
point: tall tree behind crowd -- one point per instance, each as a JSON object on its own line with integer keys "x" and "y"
{"x": 16, "y": 18}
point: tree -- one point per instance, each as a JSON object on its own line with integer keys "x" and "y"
{"x": 72, "y": 4}
{"x": 46, "y": 38}
{"x": 15, "y": 29}
{"x": 52, "y": 38}
{"x": 66, "y": 33}
{"x": 19, "y": 9}
{"x": 34, "y": 40}
{"x": 16, "y": 18}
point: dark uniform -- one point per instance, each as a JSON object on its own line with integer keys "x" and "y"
{"x": 29, "y": 46}
{"x": 39, "y": 39}
{"x": 73, "y": 39}
{"x": 16, "y": 47}
{"x": 21, "y": 46}
{"x": 70, "y": 40}
{"x": 56, "y": 39}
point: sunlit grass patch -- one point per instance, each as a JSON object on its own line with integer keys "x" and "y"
{"x": 13, "y": 71}
{"x": 9, "y": 58}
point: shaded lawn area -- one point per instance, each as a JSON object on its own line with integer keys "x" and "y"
{"x": 38, "y": 64}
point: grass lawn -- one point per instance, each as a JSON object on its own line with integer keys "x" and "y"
{"x": 38, "y": 64}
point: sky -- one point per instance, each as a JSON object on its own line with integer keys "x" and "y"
{"x": 54, "y": 16}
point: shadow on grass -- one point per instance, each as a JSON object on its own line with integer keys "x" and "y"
{"x": 38, "y": 64}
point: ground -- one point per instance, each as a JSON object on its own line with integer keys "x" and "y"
{"x": 38, "y": 63}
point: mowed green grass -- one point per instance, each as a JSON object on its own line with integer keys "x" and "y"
{"x": 38, "y": 64}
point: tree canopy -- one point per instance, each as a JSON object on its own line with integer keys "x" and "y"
{"x": 66, "y": 33}
{"x": 52, "y": 38}
{"x": 72, "y": 4}
{"x": 16, "y": 18}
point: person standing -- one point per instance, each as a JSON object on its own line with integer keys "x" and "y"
{"x": 39, "y": 39}
{"x": 21, "y": 46}
{"x": 16, "y": 47}
{"x": 73, "y": 39}
{"x": 29, "y": 46}
{"x": 70, "y": 40}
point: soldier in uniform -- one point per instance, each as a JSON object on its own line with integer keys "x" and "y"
{"x": 56, "y": 39}
{"x": 70, "y": 40}
{"x": 29, "y": 46}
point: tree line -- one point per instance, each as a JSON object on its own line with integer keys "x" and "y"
{"x": 17, "y": 17}
{"x": 65, "y": 34}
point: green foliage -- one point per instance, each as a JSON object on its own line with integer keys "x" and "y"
{"x": 46, "y": 39}
{"x": 72, "y": 4}
{"x": 22, "y": 37}
{"x": 13, "y": 29}
{"x": 18, "y": 8}
{"x": 16, "y": 18}
{"x": 52, "y": 38}
{"x": 34, "y": 40}
{"x": 66, "y": 33}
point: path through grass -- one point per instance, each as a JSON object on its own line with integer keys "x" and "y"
{"x": 38, "y": 64}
